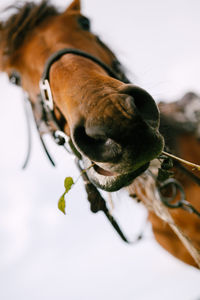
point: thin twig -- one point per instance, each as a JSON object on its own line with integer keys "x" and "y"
{"x": 83, "y": 171}
{"x": 192, "y": 165}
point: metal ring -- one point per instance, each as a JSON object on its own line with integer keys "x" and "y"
{"x": 167, "y": 200}
{"x": 60, "y": 134}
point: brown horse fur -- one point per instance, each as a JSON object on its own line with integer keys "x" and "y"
{"x": 86, "y": 96}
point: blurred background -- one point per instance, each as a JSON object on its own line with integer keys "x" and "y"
{"x": 46, "y": 255}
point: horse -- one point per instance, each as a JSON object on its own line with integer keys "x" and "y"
{"x": 77, "y": 89}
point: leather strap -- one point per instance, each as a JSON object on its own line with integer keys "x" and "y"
{"x": 57, "y": 55}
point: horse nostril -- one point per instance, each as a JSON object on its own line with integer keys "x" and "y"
{"x": 96, "y": 147}
{"x": 141, "y": 102}
{"x": 130, "y": 105}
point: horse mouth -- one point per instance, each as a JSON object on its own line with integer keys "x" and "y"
{"x": 114, "y": 175}
{"x": 109, "y": 180}
{"x": 102, "y": 171}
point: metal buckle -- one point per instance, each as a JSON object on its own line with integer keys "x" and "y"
{"x": 60, "y": 137}
{"x": 46, "y": 93}
{"x": 63, "y": 140}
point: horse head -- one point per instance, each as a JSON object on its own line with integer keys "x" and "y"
{"x": 112, "y": 124}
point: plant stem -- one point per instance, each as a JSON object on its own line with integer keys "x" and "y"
{"x": 194, "y": 166}
{"x": 83, "y": 171}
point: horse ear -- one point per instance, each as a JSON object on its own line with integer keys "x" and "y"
{"x": 74, "y": 6}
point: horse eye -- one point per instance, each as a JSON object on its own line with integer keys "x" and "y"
{"x": 84, "y": 23}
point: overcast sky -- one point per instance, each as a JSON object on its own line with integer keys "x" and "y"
{"x": 46, "y": 255}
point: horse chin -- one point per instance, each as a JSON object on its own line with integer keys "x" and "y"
{"x": 108, "y": 180}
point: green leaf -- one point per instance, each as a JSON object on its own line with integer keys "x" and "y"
{"x": 61, "y": 203}
{"x": 68, "y": 183}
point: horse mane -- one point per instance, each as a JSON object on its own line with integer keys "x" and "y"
{"x": 28, "y": 16}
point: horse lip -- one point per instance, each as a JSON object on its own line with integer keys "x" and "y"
{"x": 115, "y": 181}
{"x": 98, "y": 169}
{"x": 102, "y": 171}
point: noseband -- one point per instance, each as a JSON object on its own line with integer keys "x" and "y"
{"x": 45, "y": 89}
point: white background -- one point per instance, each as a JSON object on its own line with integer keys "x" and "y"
{"x": 46, "y": 255}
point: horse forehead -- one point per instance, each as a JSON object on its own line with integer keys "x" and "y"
{"x": 58, "y": 32}
{"x": 40, "y": 39}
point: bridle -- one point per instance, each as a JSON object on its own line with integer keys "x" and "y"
{"x": 48, "y": 121}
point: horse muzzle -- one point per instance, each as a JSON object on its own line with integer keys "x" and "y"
{"x": 121, "y": 139}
